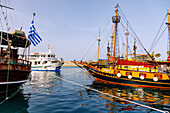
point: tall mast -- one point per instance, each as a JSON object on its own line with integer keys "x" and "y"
{"x": 116, "y": 20}
{"x": 127, "y": 33}
{"x": 98, "y": 45}
{"x": 134, "y": 48}
{"x": 112, "y": 41}
{"x": 108, "y": 49}
{"x": 168, "y": 28}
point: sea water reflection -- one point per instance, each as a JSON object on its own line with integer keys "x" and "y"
{"x": 156, "y": 98}
{"x": 18, "y": 104}
{"x": 45, "y": 92}
{"x": 43, "y": 82}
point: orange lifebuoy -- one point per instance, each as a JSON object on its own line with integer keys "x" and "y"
{"x": 41, "y": 58}
{"x": 110, "y": 58}
{"x": 168, "y": 58}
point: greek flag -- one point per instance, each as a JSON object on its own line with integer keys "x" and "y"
{"x": 33, "y": 35}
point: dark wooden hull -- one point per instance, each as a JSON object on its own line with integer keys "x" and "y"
{"x": 9, "y": 89}
{"x": 12, "y": 76}
{"x": 134, "y": 82}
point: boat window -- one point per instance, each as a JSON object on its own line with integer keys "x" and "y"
{"x": 48, "y": 55}
{"x": 44, "y": 62}
{"x": 54, "y": 61}
{"x": 35, "y": 63}
{"x": 33, "y": 56}
{"x": 42, "y": 55}
{"x": 38, "y": 62}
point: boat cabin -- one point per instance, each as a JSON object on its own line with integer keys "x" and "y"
{"x": 42, "y": 58}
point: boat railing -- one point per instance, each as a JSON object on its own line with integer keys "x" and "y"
{"x": 4, "y": 60}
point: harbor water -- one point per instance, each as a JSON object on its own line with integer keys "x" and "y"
{"x": 47, "y": 93}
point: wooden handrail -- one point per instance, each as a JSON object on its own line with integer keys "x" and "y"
{"x": 14, "y": 61}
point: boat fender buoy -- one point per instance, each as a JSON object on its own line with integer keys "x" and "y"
{"x": 119, "y": 75}
{"x": 142, "y": 77}
{"x": 129, "y": 76}
{"x": 155, "y": 79}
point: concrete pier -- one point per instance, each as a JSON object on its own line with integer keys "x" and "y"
{"x": 69, "y": 64}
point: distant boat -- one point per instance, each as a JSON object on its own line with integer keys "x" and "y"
{"x": 45, "y": 62}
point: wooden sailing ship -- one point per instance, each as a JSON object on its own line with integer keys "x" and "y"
{"x": 129, "y": 73}
{"x": 14, "y": 71}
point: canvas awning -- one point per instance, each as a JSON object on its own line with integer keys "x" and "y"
{"x": 17, "y": 41}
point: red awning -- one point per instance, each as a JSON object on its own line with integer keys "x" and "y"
{"x": 134, "y": 63}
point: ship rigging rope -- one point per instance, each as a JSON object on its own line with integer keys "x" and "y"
{"x": 158, "y": 39}
{"x": 130, "y": 27}
{"x": 12, "y": 95}
{"x": 113, "y": 96}
{"x": 154, "y": 41}
{"x": 128, "y": 43}
{"x": 108, "y": 21}
{"x": 8, "y": 61}
{"x": 138, "y": 40}
{"x": 132, "y": 36}
{"x": 25, "y": 49}
{"x": 5, "y": 15}
{"x": 103, "y": 44}
{"x": 89, "y": 49}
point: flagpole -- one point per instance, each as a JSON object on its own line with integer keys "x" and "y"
{"x": 27, "y": 39}
{"x": 33, "y": 15}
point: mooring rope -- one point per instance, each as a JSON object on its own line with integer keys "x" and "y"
{"x": 9, "y": 97}
{"x": 113, "y": 96}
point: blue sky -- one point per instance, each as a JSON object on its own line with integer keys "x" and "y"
{"x": 71, "y": 26}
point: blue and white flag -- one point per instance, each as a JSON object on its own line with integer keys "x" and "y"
{"x": 33, "y": 35}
